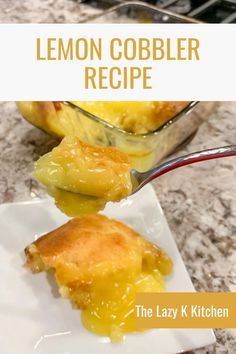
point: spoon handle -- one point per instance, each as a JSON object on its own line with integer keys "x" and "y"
{"x": 185, "y": 160}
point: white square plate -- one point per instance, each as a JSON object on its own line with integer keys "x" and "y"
{"x": 33, "y": 320}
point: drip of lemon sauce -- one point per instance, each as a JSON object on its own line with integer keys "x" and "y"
{"x": 112, "y": 308}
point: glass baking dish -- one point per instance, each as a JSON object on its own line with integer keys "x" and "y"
{"x": 146, "y": 150}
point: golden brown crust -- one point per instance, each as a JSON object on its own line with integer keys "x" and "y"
{"x": 87, "y": 241}
{"x": 91, "y": 246}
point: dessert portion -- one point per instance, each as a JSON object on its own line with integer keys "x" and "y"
{"x": 82, "y": 177}
{"x": 138, "y": 117}
{"x": 100, "y": 264}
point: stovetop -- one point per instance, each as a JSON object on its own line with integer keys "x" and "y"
{"x": 211, "y": 11}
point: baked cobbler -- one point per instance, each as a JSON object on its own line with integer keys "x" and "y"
{"x": 82, "y": 177}
{"x": 133, "y": 116}
{"x": 138, "y": 117}
{"x": 100, "y": 264}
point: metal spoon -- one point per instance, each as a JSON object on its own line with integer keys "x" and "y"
{"x": 139, "y": 179}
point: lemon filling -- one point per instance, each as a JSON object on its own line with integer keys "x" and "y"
{"x": 108, "y": 301}
{"x": 111, "y": 311}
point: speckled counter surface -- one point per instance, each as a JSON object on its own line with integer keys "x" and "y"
{"x": 200, "y": 205}
{"x": 199, "y": 201}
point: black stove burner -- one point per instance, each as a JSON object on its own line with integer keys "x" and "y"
{"x": 215, "y": 11}
{"x": 212, "y": 11}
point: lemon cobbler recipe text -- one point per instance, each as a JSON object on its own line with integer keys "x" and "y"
{"x": 120, "y": 52}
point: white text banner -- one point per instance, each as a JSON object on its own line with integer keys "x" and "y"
{"x": 117, "y": 62}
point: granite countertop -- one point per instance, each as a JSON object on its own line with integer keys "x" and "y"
{"x": 199, "y": 201}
